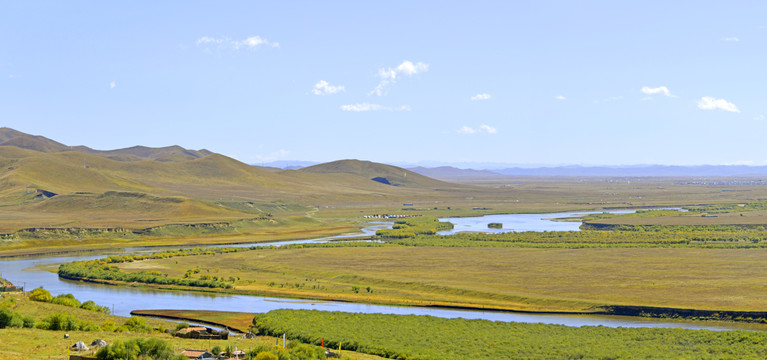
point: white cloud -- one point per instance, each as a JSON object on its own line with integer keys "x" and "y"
{"x": 112, "y": 85}
{"x": 389, "y": 76}
{"x": 466, "y": 130}
{"x": 560, "y": 97}
{"x": 710, "y": 103}
{"x": 482, "y": 128}
{"x": 658, "y": 90}
{"x": 324, "y": 88}
{"x": 731, "y": 38}
{"x": 481, "y": 97}
{"x": 759, "y": 117}
{"x": 251, "y": 42}
{"x": 209, "y": 40}
{"x": 373, "y": 107}
{"x": 488, "y": 129}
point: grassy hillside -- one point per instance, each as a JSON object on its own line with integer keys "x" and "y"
{"x": 384, "y": 174}
{"x": 10, "y": 137}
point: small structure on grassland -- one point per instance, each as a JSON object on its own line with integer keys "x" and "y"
{"x": 79, "y": 346}
{"x": 6, "y": 285}
{"x": 98, "y": 343}
{"x": 198, "y": 354}
{"x": 199, "y": 332}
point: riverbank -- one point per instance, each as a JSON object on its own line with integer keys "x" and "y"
{"x": 237, "y": 321}
{"x": 160, "y": 244}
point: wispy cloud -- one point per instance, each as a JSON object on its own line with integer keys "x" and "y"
{"x": 251, "y": 42}
{"x": 481, "y": 97}
{"x": 710, "y": 103}
{"x": 560, "y": 97}
{"x": 481, "y": 129}
{"x": 658, "y": 90}
{"x": 759, "y": 117}
{"x": 390, "y": 75}
{"x": 324, "y": 88}
{"x": 373, "y": 107}
{"x": 613, "y": 98}
{"x": 732, "y": 39}
{"x": 112, "y": 84}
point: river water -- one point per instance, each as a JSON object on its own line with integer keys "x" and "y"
{"x": 32, "y": 272}
{"x": 521, "y": 222}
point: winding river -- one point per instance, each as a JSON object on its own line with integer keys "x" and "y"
{"x": 32, "y": 272}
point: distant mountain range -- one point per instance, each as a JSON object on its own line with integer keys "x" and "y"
{"x": 640, "y": 170}
{"x": 455, "y": 173}
{"x": 451, "y": 173}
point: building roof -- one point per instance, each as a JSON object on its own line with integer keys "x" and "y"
{"x": 197, "y": 354}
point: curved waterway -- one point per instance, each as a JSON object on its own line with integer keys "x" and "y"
{"x": 564, "y": 221}
{"x": 32, "y": 272}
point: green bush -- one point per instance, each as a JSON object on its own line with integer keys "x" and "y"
{"x": 134, "y": 349}
{"x": 9, "y": 318}
{"x": 62, "y": 321}
{"x": 40, "y": 294}
{"x": 135, "y": 324}
{"x": 66, "y": 300}
{"x": 266, "y": 356}
{"x": 43, "y": 295}
{"x": 216, "y": 350}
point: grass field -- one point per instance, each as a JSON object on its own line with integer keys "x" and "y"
{"x": 46, "y": 344}
{"x": 502, "y": 278}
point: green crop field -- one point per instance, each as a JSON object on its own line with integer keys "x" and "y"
{"x": 426, "y": 338}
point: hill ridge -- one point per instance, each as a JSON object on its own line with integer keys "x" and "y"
{"x": 11, "y": 137}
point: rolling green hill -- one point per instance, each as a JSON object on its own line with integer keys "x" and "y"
{"x": 44, "y": 183}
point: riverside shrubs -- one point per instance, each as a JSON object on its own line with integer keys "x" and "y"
{"x": 101, "y": 270}
{"x": 409, "y": 227}
{"x": 43, "y": 295}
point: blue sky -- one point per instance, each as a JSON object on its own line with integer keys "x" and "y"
{"x": 535, "y": 83}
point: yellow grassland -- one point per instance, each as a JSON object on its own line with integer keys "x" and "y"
{"x": 500, "y": 278}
